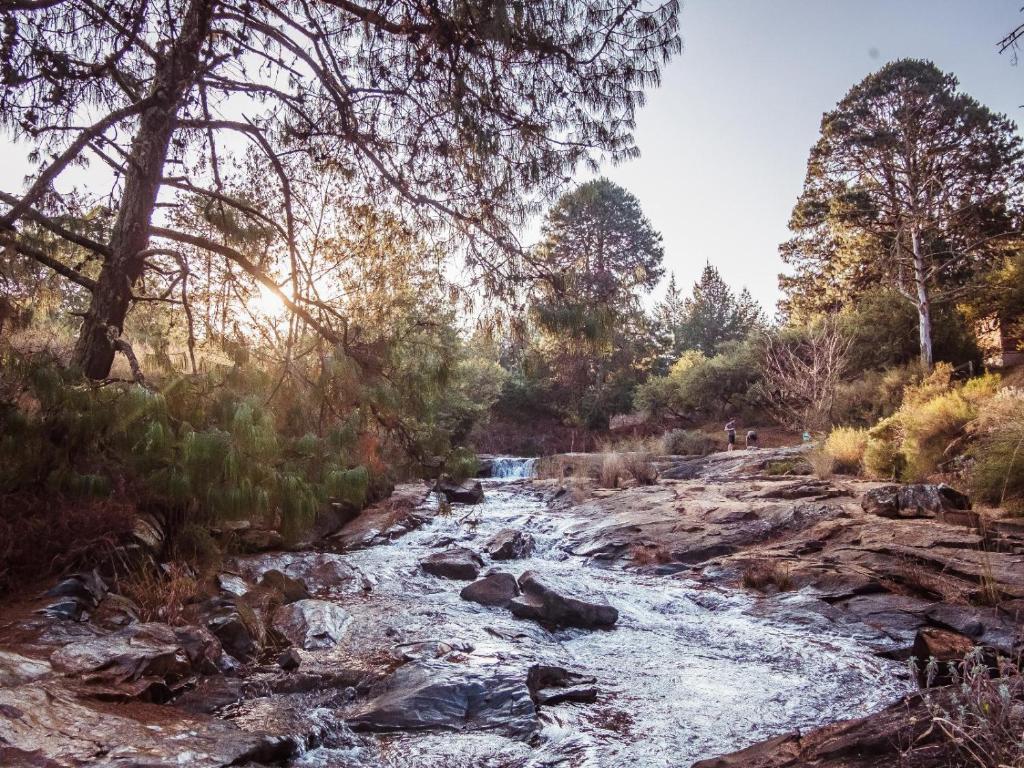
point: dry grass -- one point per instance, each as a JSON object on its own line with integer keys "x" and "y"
{"x": 846, "y": 446}
{"x": 762, "y": 574}
{"x": 822, "y": 463}
{"x": 640, "y": 468}
{"x": 613, "y": 470}
{"x": 650, "y": 554}
{"x": 160, "y": 595}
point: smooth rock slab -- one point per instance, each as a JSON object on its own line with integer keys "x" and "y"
{"x": 542, "y": 603}
{"x": 493, "y": 589}
{"x": 455, "y": 563}
{"x": 140, "y": 651}
{"x": 312, "y": 624}
{"x": 510, "y": 544}
{"x": 48, "y": 725}
{"x": 438, "y": 696}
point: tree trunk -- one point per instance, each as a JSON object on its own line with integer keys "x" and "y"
{"x": 924, "y": 310}
{"x": 175, "y": 74}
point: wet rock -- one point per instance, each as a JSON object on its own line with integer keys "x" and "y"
{"x": 816, "y": 490}
{"x": 319, "y": 572}
{"x": 460, "y": 494}
{"x": 232, "y": 583}
{"x": 569, "y": 686}
{"x": 430, "y": 695}
{"x": 239, "y": 635}
{"x": 510, "y": 544}
{"x": 144, "y": 660}
{"x": 542, "y": 603}
{"x": 493, "y": 589}
{"x": 312, "y": 624}
{"x": 77, "y": 596}
{"x": 47, "y": 725}
{"x": 430, "y": 649}
{"x": 289, "y": 660}
{"x": 455, "y": 563}
{"x": 292, "y": 589}
{"x": 115, "y": 611}
{"x": 916, "y": 500}
{"x": 945, "y": 647}
{"x": 16, "y": 669}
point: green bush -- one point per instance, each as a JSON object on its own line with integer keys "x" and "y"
{"x": 461, "y": 464}
{"x": 846, "y": 446}
{"x": 882, "y": 458}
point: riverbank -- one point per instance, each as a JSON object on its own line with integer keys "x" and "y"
{"x": 353, "y": 651}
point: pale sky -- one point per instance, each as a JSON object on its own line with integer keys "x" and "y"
{"x": 725, "y": 139}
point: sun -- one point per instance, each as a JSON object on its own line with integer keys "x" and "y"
{"x": 268, "y": 303}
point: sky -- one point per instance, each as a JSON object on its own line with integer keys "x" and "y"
{"x": 725, "y": 139}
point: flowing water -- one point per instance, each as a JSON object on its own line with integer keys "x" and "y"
{"x": 689, "y": 672}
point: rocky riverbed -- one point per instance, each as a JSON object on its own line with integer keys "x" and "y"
{"x": 533, "y": 629}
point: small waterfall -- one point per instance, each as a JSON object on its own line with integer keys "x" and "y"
{"x": 513, "y": 468}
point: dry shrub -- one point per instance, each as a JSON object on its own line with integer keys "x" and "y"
{"x": 160, "y": 594}
{"x": 688, "y": 442}
{"x": 997, "y": 476}
{"x": 822, "y": 463}
{"x": 981, "y": 715}
{"x": 882, "y": 457}
{"x": 846, "y": 446}
{"x": 762, "y": 574}
{"x": 41, "y": 535}
{"x": 613, "y": 470}
{"x": 640, "y": 468}
{"x": 650, "y": 554}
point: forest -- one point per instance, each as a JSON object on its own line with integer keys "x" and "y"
{"x": 275, "y": 264}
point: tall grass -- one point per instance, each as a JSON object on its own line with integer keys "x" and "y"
{"x": 846, "y": 446}
{"x": 998, "y": 453}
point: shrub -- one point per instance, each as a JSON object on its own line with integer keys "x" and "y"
{"x": 650, "y": 554}
{"x": 613, "y": 469}
{"x": 640, "y": 468}
{"x": 687, "y": 442}
{"x": 822, "y": 463}
{"x": 981, "y": 715}
{"x": 461, "y": 464}
{"x": 846, "y": 446}
{"x": 997, "y": 475}
{"x": 882, "y": 458}
{"x": 762, "y": 574}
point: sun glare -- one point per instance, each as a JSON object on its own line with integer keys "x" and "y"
{"x": 268, "y": 303}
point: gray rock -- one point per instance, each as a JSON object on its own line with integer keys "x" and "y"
{"x": 16, "y": 669}
{"x": 493, "y": 589}
{"x": 289, "y": 660}
{"x": 433, "y": 695}
{"x": 312, "y": 624}
{"x": 460, "y": 494}
{"x": 542, "y": 603}
{"x": 291, "y": 588}
{"x": 915, "y": 500}
{"x": 510, "y": 544}
{"x": 232, "y": 583}
{"x": 455, "y": 563}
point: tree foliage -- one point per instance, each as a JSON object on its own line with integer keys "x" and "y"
{"x": 913, "y": 184}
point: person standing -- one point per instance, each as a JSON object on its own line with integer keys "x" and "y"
{"x": 730, "y": 431}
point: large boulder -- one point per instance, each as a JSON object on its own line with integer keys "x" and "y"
{"x": 496, "y": 589}
{"x": 76, "y": 596}
{"x": 460, "y": 494}
{"x": 567, "y": 686}
{"x": 915, "y": 500}
{"x": 510, "y": 544}
{"x": 147, "y": 660}
{"x": 427, "y": 695}
{"x": 312, "y": 624}
{"x": 542, "y": 603}
{"x": 455, "y": 563}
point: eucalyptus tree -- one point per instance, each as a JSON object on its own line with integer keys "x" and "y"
{"x": 462, "y": 115}
{"x": 913, "y": 184}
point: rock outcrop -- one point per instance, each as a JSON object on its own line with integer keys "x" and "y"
{"x": 510, "y": 544}
{"x": 312, "y": 624}
{"x": 454, "y": 563}
{"x": 541, "y": 602}
{"x": 917, "y": 500}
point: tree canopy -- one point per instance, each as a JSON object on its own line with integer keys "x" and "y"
{"x": 913, "y": 184}
{"x": 458, "y": 116}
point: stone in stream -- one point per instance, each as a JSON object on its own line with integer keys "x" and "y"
{"x": 496, "y": 588}
{"x": 510, "y": 544}
{"x": 542, "y": 603}
{"x": 433, "y": 695}
{"x": 455, "y": 563}
{"x": 569, "y": 686}
{"x": 460, "y": 494}
{"x": 312, "y": 624}
{"x": 916, "y": 500}
{"x": 292, "y": 589}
